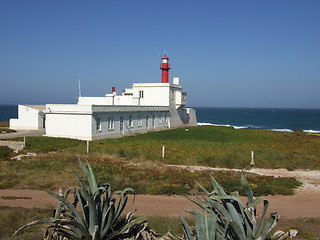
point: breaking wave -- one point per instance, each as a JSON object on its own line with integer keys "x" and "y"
{"x": 254, "y": 127}
{"x": 311, "y": 131}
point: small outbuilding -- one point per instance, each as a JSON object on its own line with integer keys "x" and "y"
{"x": 30, "y": 117}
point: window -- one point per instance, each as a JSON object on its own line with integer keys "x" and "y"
{"x": 147, "y": 122}
{"x": 121, "y": 125}
{"x": 140, "y": 94}
{"x": 130, "y": 121}
{"x": 110, "y": 123}
{"x": 139, "y": 121}
{"x": 98, "y": 124}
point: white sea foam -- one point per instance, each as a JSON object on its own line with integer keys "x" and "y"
{"x": 221, "y": 125}
{"x": 281, "y": 130}
{"x": 311, "y": 131}
{"x": 238, "y": 127}
{"x": 253, "y": 127}
{"x": 205, "y": 124}
{"x": 213, "y": 124}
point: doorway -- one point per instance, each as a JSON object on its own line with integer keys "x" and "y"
{"x": 121, "y": 126}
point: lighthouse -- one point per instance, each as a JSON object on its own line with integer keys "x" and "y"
{"x": 165, "y": 66}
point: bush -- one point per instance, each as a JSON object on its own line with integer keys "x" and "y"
{"x": 6, "y": 130}
{"x": 94, "y": 214}
{"x": 6, "y": 184}
{"x": 5, "y": 152}
{"x": 226, "y": 217}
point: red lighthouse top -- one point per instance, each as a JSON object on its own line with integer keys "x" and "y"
{"x": 165, "y": 56}
{"x": 165, "y": 66}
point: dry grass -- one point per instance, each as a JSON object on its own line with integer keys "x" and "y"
{"x": 4, "y": 124}
{"x": 12, "y": 218}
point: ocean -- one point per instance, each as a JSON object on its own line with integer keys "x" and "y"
{"x": 274, "y": 119}
{"x": 7, "y": 112}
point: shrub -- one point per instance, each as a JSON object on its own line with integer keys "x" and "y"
{"x": 226, "y": 217}
{"x": 6, "y": 130}
{"x": 5, "y": 152}
{"x": 7, "y": 184}
{"x": 99, "y": 217}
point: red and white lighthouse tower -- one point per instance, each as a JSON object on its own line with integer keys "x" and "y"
{"x": 165, "y": 66}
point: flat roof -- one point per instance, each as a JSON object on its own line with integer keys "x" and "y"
{"x": 38, "y": 107}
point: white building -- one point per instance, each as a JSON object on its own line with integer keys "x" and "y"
{"x": 30, "y": 117}
{"x": 144, "y": 107}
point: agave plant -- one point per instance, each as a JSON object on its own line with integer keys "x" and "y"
{"x": 98, "y": 218}
{"x": 225, "y": 216}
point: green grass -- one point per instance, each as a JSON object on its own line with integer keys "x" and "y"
{"x": 206, "y": 145}
{"x": 13, "y": 218}
{"x": 48, "y": 144}
{"x": 217, "y": 147}
{"x": 144, "y": 178}
{"x": 5, "y": 153}
{"x": 6, "y": 130}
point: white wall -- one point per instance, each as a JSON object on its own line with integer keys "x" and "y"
{"x": 154, "y": 94}
{"x": 68, "y": 108}
{"x": 69, "y": 125}
{"x": 124, "y": 101}
{"x": 92, "y": 100}
{"x": 28, "y": 119}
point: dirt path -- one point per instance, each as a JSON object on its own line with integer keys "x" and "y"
{"x": 304, "y": 176}
{"x": 303, "y": 204}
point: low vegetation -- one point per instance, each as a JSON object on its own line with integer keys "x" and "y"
{"x": 145, "y": 178}
{"x": 99, "y": 214}
{"x": 203, "y": 145}
{"x": 94, "y": 214}
{"x": 6, "y": 130}
{"x": 5, "y": 153}
{"x": 13, "y": 218}
{"x": 135, "y": 162}
{"x": 226, "y": 217}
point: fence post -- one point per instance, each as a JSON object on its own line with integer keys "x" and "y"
{"x": 252, "y": 158}
{"x": 88, "y": 147}
{"x": 163, "y": 148}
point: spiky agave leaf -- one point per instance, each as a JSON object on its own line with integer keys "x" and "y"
{"x": 60, "y": 205}
{"x": 70, "y": 206}
{"x": 57, "y": 222}
{"x": 186, "y": 229}
{"x": 246, "y": 188}
{"x": 233, "y": 219}
{"x": 99, "y": 215}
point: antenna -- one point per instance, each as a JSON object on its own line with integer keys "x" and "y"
{"x": 79, "y": 87}
{"x": 160, "y": 56}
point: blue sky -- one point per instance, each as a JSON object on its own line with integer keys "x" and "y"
{"x": 227, "y": 53}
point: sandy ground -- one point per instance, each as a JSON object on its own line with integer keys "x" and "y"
{"x": 303, "y": 204}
